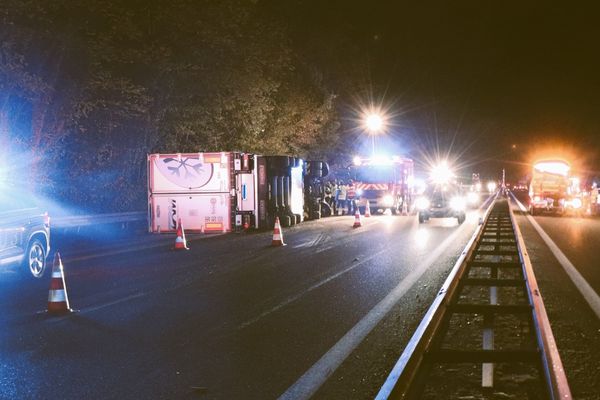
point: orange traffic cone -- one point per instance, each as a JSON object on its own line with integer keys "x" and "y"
{"x": 58, "y": 301}
{"x": 404, "y": 208}
{"x": 357, "y": 223}
{"x": 367, "y": 210}
{"x": 277, "y": 234}
{"x": 180, "y": 243}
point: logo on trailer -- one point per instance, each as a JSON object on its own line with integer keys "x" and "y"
{"x": 186, "y": 172}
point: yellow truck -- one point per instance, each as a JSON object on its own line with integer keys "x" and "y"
{"x": 552, "y": 190}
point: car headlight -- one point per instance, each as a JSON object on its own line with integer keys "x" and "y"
{"x": 458, "y": 203}
{"x": 422, "y": 203}
{"x": 472, "y": 198}
{"x": 576, "y": 202}
{"x": 388, "y": 200}
{"x": 359, "y": 192}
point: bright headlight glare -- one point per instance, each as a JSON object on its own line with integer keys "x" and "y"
{"x": 359, "y": 192}
{"x": 422, "y": 203}
{"x": 458, "y": 203}
{"x": 388, "y": 200}
{"x": 472, "y": 197}
{"x": 577, "y": 202}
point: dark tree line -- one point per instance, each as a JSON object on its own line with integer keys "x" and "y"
{"x": 87, "y": 89}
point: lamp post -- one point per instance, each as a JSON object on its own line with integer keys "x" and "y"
{"x": 374, "y": 124}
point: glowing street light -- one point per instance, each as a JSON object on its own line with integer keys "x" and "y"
{"x": 374, "y": 123}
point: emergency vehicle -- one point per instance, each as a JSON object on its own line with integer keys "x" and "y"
{"x": 227, "y": 191}
{"x": 383, "y": 182}
{"x": 552, "y": 189}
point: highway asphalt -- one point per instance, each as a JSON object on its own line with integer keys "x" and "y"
{"x": 325, "y": 316}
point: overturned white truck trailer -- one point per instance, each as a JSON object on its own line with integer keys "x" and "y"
{"x": 226, "y": 191}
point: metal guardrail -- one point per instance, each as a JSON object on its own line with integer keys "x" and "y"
{"x": 500, "y": 230}
{"x": 79, "y": 221}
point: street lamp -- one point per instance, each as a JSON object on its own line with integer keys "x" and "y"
{"x": 374, "y": 124}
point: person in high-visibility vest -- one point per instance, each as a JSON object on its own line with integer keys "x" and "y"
{"x": 341, "y": 197}
{"x": 352, "y": 198}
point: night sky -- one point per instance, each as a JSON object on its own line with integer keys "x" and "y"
{"x": 496, "y": 84}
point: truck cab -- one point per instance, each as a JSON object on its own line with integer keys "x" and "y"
{"x": 548, "y": 190}
{"x": 384, "y": 183}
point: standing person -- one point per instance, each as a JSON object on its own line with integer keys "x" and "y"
{"x": 351, "y": 195}
{"x": 341, "y": 204}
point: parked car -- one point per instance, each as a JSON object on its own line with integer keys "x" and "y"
{"x": 24, "y": 234}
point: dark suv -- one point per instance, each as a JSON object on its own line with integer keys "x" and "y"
{"x": 442, "y": 201}
{"x": 24, "y": 234}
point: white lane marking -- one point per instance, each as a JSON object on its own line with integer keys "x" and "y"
{"x": 588, "y": 293}
{"x": 312, "y": 379}
{"x": 310, "y": 243}
{"x": 114, "y": 303}
{"x": 291, "y": 299}
{"x": 317, "y": 285}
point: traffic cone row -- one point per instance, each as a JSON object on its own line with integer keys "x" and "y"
{"x": 58, "y": 301}
{"x": 180, "y": 242}
{"x": 277, "y": 234}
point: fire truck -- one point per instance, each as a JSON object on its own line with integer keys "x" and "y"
{"x": 383, "y": 182}
{"x": 230, "y": 191}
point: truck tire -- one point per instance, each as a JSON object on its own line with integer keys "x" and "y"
{"x": 34, "y": 260}
{"x": 285, "y": 221}
{"x": 278, "y": 163}
{"x": 422, "y": 218}
{"x": 316, "y": 169}
{"x": 324, "y": 169}
{"x": 461, "y": 218}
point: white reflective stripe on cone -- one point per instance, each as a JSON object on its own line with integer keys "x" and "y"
{"x": 56, "y": 296}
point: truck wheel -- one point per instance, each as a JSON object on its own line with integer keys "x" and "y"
{"x": 461, "y": 218}
{"x": 34, "y": 262}
{"x": 421, "y": 218}
{"x": 316, "y": 169}
{"x": 286, "y": 221}
{"x": 325, "y": 210}
{"x": 324, "y": 169}
{"x": 532, "y": 210}
{"x": 279, "y": 162}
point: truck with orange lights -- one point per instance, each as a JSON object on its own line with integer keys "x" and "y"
{"x": 384, "y": 183}
{"x": 231, "y": 191}
{"x": 552, "y": 189}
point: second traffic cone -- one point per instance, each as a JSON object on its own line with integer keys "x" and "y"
{"x": 277, "y": 234}
{"x": 367, "y": 210}
{"x": 357, "y": 222}
{"x": 58, "y": 301}
{"x": 404, "y": 208}
{"x": 180, "y": 242}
